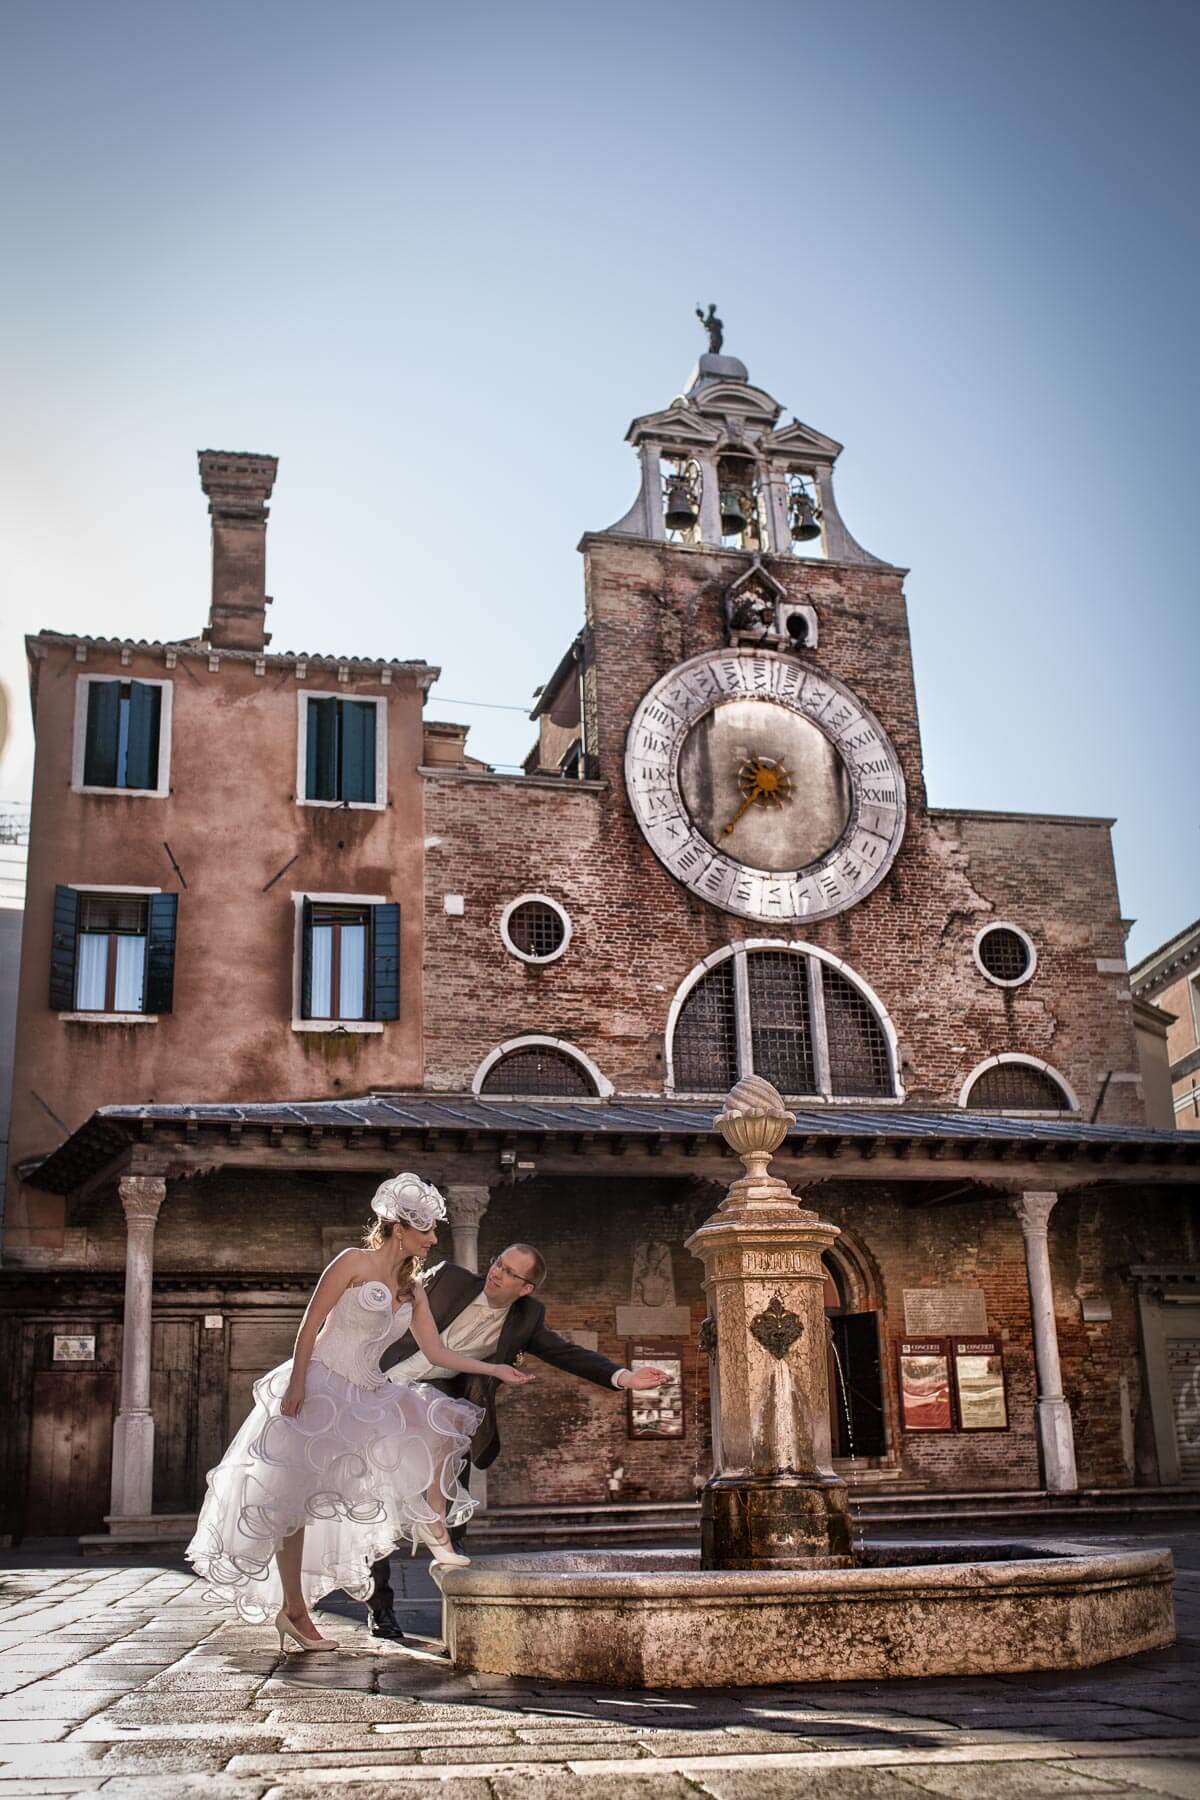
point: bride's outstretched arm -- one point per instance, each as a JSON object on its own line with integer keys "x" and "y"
{"x": 326, "y": 1294}
{"x": 432, "y": 1347}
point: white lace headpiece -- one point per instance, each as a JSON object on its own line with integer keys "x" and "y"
{"x": 406, "y": 1198}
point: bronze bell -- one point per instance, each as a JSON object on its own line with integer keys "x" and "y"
{"x": 681, "y": 512}
{"x": 805, "y": 519}
{"x": 733, "y": 513}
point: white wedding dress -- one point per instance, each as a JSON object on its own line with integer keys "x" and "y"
{"x": 352, "y": 1467}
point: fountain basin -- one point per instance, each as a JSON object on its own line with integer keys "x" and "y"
{"x": 655, "y": 1619}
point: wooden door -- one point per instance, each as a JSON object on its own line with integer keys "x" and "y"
{"x": 173, "y": 1371}
{"x": 69, "y": 1484}
{"x": 258, "y": 1342}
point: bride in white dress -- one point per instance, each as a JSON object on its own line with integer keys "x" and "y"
{"x": 336, "y": 1463}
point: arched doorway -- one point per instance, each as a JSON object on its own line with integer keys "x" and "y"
{"x": 856, "y": 1420}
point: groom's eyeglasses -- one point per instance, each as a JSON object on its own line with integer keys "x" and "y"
{"x": 507, "y": 1269}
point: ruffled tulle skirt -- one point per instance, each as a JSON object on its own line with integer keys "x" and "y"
{"x": 352, "y": 1468}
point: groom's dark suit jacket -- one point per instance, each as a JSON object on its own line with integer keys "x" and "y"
{"x": 448, "y": 1289}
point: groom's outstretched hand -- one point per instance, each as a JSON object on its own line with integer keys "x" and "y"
{"x": 644, "y": 1378}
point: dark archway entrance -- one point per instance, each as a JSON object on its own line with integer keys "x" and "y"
{"x": 856, "y": 1422}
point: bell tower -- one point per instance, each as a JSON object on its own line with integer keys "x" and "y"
{"x": 720, "y": 472}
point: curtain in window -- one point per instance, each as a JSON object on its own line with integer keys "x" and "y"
{"x": 131, "y": 974}
{"x": 322, "y": 971}
{"x": 352, "y": 973}
{"x": 91, "y": 972}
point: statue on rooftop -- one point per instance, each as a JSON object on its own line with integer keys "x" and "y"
{"x": 714, "y": 327}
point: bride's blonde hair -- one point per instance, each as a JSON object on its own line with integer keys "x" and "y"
{"x": 378, "y": 1233}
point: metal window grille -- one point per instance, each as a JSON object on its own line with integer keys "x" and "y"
{"x": 536, "y": 929}
{"x": 859, "y": 1063}
{"x": 780, "y": 1020}
{"x": 706, "y": 1035}
{"x": 1017, "y": 1087}
{"x": 112, "y": 912}
{"x": 1004, "y": 953}
{"x": 538, "y": 1069}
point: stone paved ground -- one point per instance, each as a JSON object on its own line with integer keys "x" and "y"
{"x": 120, "y": 1679}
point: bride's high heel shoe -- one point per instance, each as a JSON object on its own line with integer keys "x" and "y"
{"x": 286, "y": 1629}
{"x": 440, "y": 1548}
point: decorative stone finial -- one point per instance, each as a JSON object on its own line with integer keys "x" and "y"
{"x": 754, "y": 1124}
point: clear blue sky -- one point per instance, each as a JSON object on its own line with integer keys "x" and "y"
{"x": 436, "y": 258}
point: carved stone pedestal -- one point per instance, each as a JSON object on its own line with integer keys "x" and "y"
{"x": 773, "y": 1501}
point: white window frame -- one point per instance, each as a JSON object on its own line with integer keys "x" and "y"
{"x": 741, "y": 1000}
{"x": 1021, "y": 1112}
{"x": 379, "y": 702}
{"x": 109, "y": 887}
{"x": 539, "y": 962}
{"x": 79, "y": 747}
{"x": 364, "y": 1027}
{"x": 604, "y": 1087}
{"x": 999, "y": 980}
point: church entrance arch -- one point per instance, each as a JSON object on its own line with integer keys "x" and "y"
{"x": 857, "y": 1423}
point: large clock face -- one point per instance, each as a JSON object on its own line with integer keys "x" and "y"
{"x": 765, "y": 786}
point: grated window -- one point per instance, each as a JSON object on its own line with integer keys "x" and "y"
{"x": 780, "y": 1022}
{"x": 538, "y": 1069}
{"x": 1017, "y": 1087}
{"x": 859, "y": 1063}
{"x": 706, "y": 1035}
{"x": 1004, "y": 954}
{"x": 536, "y": 930}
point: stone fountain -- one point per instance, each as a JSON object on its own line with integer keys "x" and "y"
{"x": 777, "y": 1593}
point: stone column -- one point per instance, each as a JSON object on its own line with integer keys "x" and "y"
{"x": 133, "y": 1433}
{"x": 1055, "y": 1434}
{"x": 773, "y": 1501}
{"x": 466, "y": 1207}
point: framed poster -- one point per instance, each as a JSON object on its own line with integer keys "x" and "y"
{"x": 979, "y": 1384}
{"x": 925, "y": 1385}
{"x": 656, "y": 1412}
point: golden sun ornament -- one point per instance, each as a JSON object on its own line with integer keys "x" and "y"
{"x": 763, "y": 782}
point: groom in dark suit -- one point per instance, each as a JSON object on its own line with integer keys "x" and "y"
{"x": 495, "y": 1318}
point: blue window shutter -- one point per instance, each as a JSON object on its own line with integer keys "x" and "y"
{"x": 306, "y": 926}
{"x": 321, "y": 751}
{"x": 385, "y": 961}
{"x": 64, "y": 939}
{"x": 160, "y": 952}
{"x": 358, "y": 750}
{"x": 141, "y": 757}
{"x": 103, "y": 726}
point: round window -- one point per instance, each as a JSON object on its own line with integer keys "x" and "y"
{"x": 535, "y": 928}
{"x": 1005, "y": 955}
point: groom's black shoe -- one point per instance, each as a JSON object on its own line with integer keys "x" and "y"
{"x": 383, "y": 1624}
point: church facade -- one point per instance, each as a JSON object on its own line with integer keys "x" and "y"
{"x": 536, "y": 989}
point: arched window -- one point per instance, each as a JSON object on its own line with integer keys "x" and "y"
{"x": 1017, "y": 1084}
{"x": 790, "y": 1013}
{"x": 540, "y": 1067}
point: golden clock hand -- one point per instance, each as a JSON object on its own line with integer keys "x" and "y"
{"x": 747, "y": 803}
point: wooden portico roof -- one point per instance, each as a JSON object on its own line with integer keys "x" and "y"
{"x": 471, "y": 1136}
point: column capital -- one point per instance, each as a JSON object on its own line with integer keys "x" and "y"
{"x": 466, "y": 1203}
{"x": 141, "y": 1196}
{"x": 1033, "y": 1208}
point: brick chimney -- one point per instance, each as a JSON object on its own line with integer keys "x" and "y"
{"x": 238, "y": 486}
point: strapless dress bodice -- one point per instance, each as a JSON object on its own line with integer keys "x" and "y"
{"x": 358, "y": 1330}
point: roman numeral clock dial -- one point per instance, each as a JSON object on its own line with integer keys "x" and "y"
{"x": 765, "y": 787}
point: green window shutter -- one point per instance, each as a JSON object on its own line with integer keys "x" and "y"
{"x": 160, "y": 952}
{"x": 306, "y": 927}
{"x": 64, "y": 939}
{"x": 385, "y": 961}
{"x": 358, "y": 750}
{"x": 103, "y": 730}
{"x": 141, "y": 757}
{"x": 321, "y": 772}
